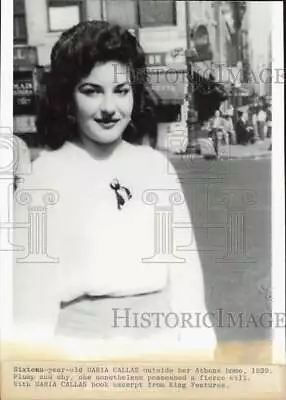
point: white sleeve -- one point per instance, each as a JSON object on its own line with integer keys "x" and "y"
{"x": 186, "y": 280}
{"x": 35, "y": 276}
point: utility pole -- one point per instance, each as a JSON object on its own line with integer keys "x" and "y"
{"x": 239, "y": 9}
{"x": 137, "y": 22}
{"x": 102, "y": 13}
{"x": 190, "y": 56}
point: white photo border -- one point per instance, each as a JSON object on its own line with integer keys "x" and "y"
{"x": 278, "y": 175}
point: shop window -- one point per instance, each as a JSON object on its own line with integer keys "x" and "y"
{"x": 63, "y": 14}
{"x": 20, "y": 28}
{"x": 157, "y": 13}
{"x": 122, "y": 12}
{"x": 133, "y": 13}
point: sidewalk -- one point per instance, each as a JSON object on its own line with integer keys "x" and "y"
{"x": 260, "y": 149}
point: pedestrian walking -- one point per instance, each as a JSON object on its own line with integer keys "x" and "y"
{"x": 230, "y": 111}
{"x": 102, "y": 227}
{"x": 229, "y": 129}
{"x": 269, "y": 122}
{"x": 261, "y": 123}
{"x": 254, "y": 122}
{"x": 242, "y": 135}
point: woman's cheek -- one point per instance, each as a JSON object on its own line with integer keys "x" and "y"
{"x": 87, "y": 105}
{"x": 126, "y": 106}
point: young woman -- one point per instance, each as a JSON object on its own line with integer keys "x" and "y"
{"x": 110, "y": 243}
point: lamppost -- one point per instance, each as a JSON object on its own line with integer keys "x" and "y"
{"x": 102, "y": 16}
{"x": 190, "y": 57}
{"x": 137, "y": 22}
{"x": 239, "y": 9}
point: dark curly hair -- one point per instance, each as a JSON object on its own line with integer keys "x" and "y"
{"x": 72, "y": 58}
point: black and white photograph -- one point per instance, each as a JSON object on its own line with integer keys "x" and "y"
{"x": 143, "y": 180}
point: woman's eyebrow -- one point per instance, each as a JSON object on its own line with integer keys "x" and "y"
{"x": 120, "y": 85}
{"x": 94, "y": 85}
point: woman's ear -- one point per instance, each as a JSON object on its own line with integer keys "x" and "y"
{"x": 71, "y": 112}
{"x": 131, "y": 133}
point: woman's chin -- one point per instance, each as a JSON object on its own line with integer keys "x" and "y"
{"x": 104, "y": 141}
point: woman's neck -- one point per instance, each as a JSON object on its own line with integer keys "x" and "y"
{"x": 100, "y": 151}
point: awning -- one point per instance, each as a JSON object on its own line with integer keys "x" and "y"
{"x": 169, "y": 85}
{"x": 243, "y": 108}
{"x": 242, "y": 91}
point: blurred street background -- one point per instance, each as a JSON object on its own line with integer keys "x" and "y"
{"x": 209, "y": 69}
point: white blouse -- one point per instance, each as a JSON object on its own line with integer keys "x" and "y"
{"x": 94, "y": 247}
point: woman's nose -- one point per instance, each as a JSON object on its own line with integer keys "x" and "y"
{"x": 108, "y": 104}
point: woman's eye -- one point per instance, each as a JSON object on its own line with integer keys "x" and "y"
{"x": 90, "y": 90}
{"x": 122, "y": 92}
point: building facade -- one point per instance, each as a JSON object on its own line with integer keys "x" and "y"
{"x": 260, "y": 36}
{"x": 160, "y": 27}
{"x": 25, "y": 75}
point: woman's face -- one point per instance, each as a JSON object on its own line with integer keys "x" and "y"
{"x": 104, "y": 102}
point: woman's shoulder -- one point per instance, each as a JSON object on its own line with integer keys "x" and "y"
{"x": 153, "y": 164}
{"x": 59, "y": 157}
{"x": 48, "y": 165}
{"x": 144, "y": 152}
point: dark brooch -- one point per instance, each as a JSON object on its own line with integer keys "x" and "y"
{"x": 122, "y": 193}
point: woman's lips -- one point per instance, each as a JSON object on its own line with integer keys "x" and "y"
{"x": 107, "y": 124}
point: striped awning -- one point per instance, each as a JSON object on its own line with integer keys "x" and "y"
{"x": 170, "y": 85}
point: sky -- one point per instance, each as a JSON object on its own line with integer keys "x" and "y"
{"x": 260, "y": 25}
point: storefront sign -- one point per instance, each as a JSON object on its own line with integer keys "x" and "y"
{"x": 168, "y": 78}
{"x": 175, "y": 57}
{"x": 169, "y": 85}
{"x": 155, "y": 59}
{"x": 23, "y": 93}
